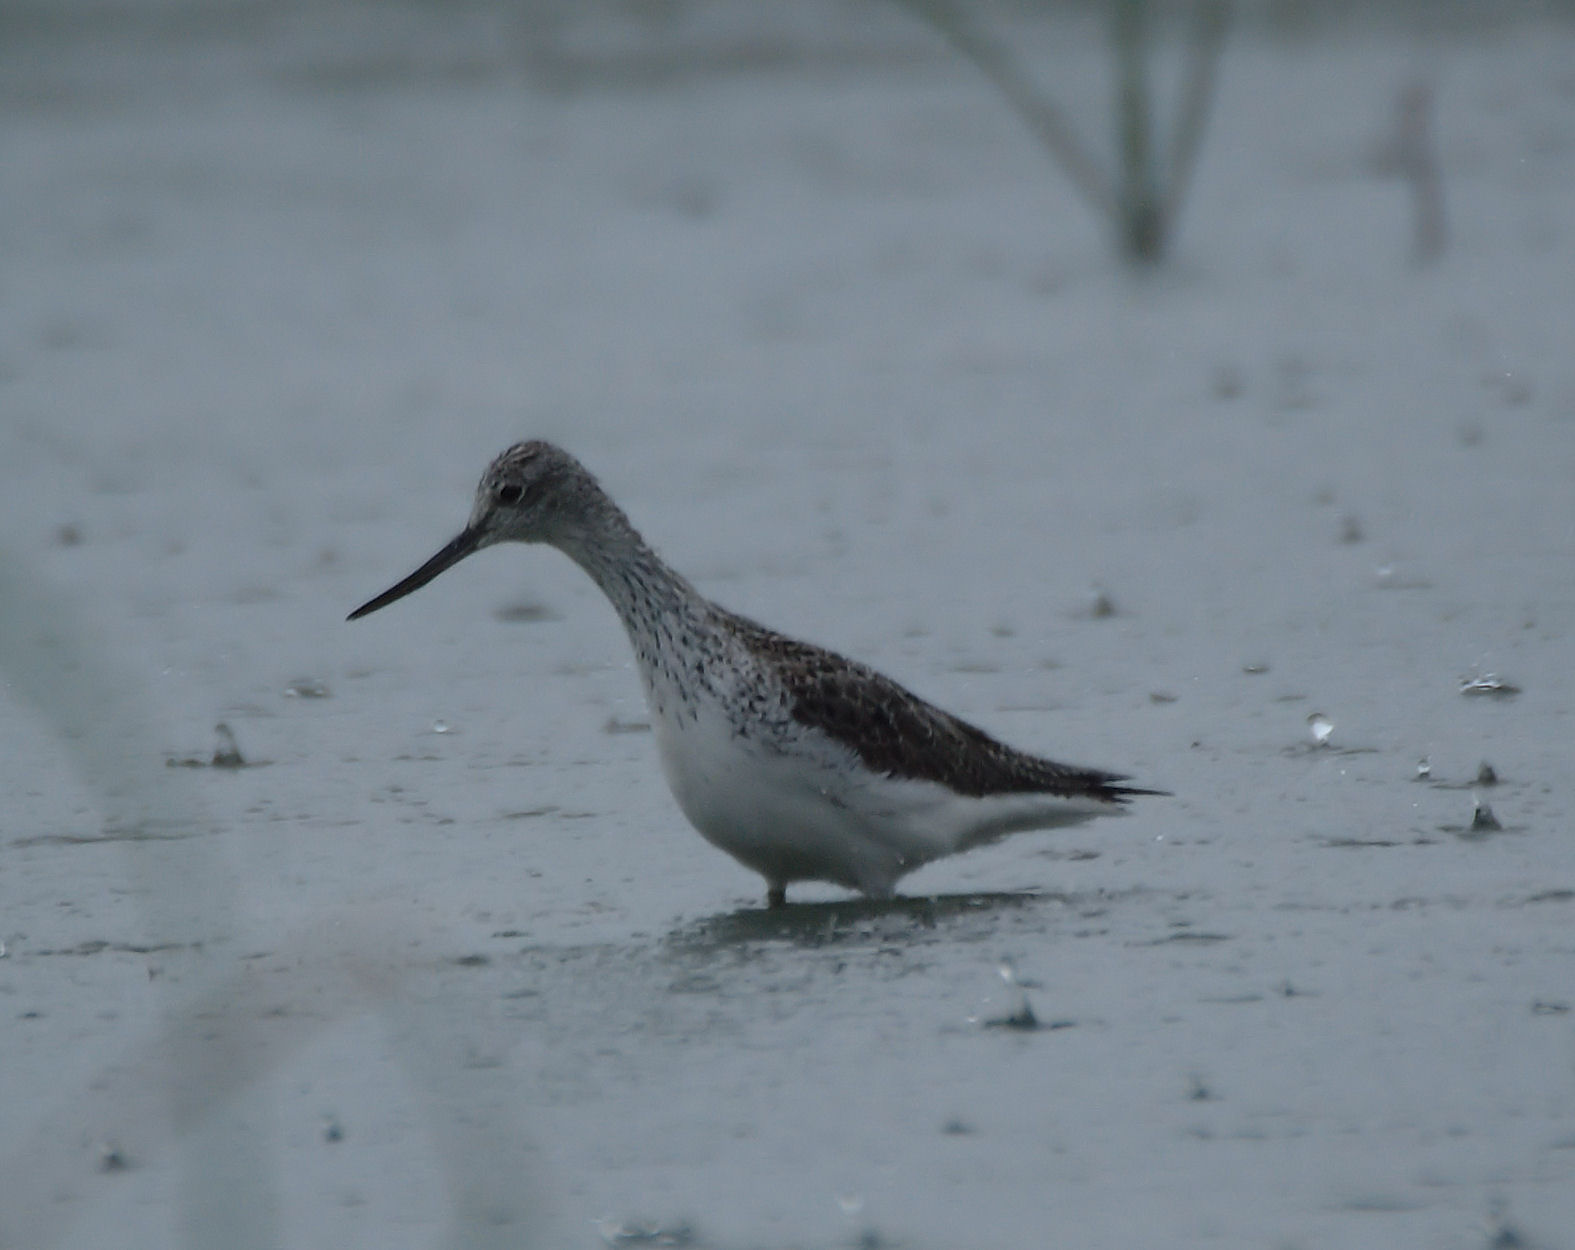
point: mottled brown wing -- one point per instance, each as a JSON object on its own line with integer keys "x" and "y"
{"x": 896, "y": 733}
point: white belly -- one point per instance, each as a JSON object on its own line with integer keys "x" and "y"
{"x": 805, "y": 809}
{"x": 778, "y": 813}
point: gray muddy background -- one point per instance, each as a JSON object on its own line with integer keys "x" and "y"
{"x": 442, "y": 964}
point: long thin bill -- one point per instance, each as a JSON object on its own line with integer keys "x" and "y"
{"x": 466, "y": 542}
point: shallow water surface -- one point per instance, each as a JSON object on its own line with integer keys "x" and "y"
{"x": 434, "y": 959}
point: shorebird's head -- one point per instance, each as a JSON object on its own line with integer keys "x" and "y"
{"x": 532, "y": 493}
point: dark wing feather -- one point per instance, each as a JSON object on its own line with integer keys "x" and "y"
{"x": 898, "y": 734}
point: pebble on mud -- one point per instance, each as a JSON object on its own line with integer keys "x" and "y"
{"x": 1101, "y": 606}
{"x": 1490, "y": 685}
{"x": 526, "y": 612}
{"x": 111, "y": 1158}
{"x": 226, "y": 751}
{"x": 1023, "y": 1018}
{"x": 616, "y": 1232}
{"x": 1226, "y": 382}
{"x": 612, "y": 725}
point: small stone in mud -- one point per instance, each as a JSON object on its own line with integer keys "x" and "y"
{"x": 1487, "y": 775}
{"x": 111, "y": 1158}
{"x": 68, "y": 535}
{"x": 333, "y": 1131}
{"x": 1483, "y": 820}
{"x": 525, "y": 612}
{"x": 1489, "y": 684}
{"x": 1023, "y": 1018}
{"x": 1199, "y": 1091}
{"x": 307, "y": 688}
{"x": 1102, "y": 605}
{"x": 615, "y": 726}
{"x": 1225, "y": 381}
{"x": 1351, "y": 528}
{"x": 1424, "y": 769}
{"x": 646, "y": 1233}
{"x": 226, "y": 751}
{"x": 1502, "y": 1233}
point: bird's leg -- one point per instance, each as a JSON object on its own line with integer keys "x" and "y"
{"x": 776, "y": 894}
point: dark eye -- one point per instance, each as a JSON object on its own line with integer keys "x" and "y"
{"x": 510, "y": 492}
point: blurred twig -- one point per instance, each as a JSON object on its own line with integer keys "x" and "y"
{"x": 992, "y": 59}
{"x": 1140, "y": 222}
{"x": 1205, "y": 42}
{"x": 1143, "y": 203}
{"x": 1410, "y": 154}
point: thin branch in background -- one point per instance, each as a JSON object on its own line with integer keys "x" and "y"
{"x": 1140, "y": 219}
{"x": 1205, "y": 42}
{"x": 1143, "y": 202}
{"x": 996, "y": 63}
{"x": 1411, "y": 154}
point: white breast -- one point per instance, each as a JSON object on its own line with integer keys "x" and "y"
{"x": 803, "y": 807}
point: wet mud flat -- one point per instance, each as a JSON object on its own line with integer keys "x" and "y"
{"x": 418, "y": 950}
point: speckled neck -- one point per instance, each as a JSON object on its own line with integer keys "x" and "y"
{"x": 666, "y": 618}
